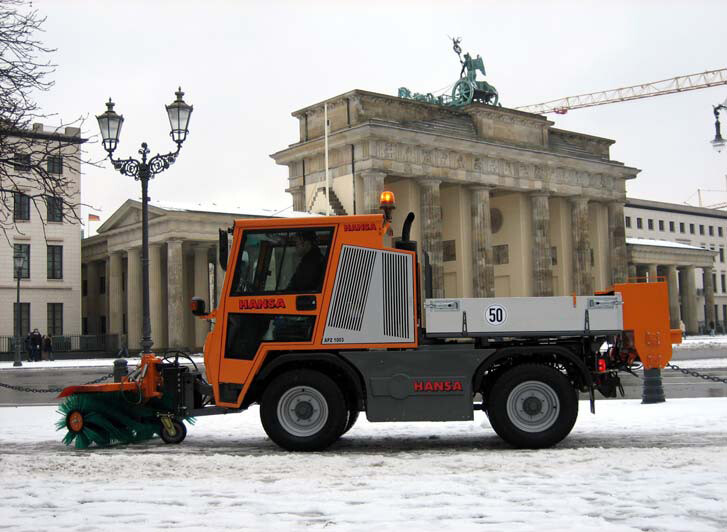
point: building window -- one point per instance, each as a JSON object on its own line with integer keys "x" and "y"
{"x": 24, "y": 318}
{"x": 102, "y": 284}
{"x": 55, "y": 209}
{"x": 554, "y": 256}
{"x": 719, "y": 232}
{"x": 501, "y": 254}
{"x": 628, "y": 221}
{"x": 721, "y": 254}
{"x": 691, "y": 229}
{"x": 21, "y": 206}
{"x": 722, "y": 279}
{"x": 55, "y": 262}
{"x": 21, "y": 162}
{"x": 593, "y": 258}
{"x": 701, "y": 229}
{"x": 650, "y": 224}
{"x": 671, "y": 227}
{"x": 24, "y": 250}
{"x": 639, "y": 223}
{"x": 84, "y": 325}
{"x": 449, "y": 251}
{"x": 55, "y": 164}
{"x": 102, "y": 325}
{"x": 55, "y": 319}
{"x": 661, "y": 225}
{"x": 681, "y": 227}
{"x": 123, "y": 281}
{"x": 711, "y": 230}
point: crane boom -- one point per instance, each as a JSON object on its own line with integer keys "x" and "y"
{"x": 710, "y": 78}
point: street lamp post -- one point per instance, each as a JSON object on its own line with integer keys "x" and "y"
{"x": 18, "y": 262}
{"x": 110, "y": 125}
{"x": 718, "y": 143}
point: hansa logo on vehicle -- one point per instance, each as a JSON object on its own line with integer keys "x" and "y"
{"x": 430, "y": 385}
{"x": 269, "y": 302}
{"x": 360, "y": 227}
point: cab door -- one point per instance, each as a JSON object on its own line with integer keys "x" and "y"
{"x": 273, "y": 301}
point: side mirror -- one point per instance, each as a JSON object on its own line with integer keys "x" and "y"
{"x": 198, "y": 307}
{"x": 223, "y": 249}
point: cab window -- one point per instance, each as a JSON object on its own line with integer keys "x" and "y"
{"x": 285, "y": 261}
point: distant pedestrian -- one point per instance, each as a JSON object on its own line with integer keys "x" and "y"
{"x": 48, "y": 348}
{"x": 27, "y": 347}
{"x": 683, "y": 328}
{"x": 36, "y": 339}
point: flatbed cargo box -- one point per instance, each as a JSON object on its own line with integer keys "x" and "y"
{"x": 524, "y": 316}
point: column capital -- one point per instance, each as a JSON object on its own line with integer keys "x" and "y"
{"x": 480, "y": 186}
{"x": 539, "y": 193}
{"x": 429, "y": 182}
{"x": 579, "y": 199}
{"x": 372, "y": 174}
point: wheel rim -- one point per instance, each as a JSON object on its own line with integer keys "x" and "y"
{"x": 302, "y": 411}
{"x": 533, "y": 406}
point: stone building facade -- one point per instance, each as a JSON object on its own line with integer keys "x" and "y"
{"x": 505, "y": 203}
{"x": 50, "y": 286}
{"x": 183, "y": 254}
{"x": 686, "y": 246}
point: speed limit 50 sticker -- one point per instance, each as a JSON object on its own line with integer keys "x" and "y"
{"x": 496, "y": 315}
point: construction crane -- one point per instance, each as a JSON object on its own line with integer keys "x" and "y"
{"x": 703, "y": 80}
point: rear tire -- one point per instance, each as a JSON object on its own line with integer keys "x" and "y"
{"x": 303, "y": 410}
{"x": 532, "y": 406}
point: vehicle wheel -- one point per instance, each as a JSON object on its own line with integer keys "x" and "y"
{"x": 533, "y": 406}
{"x": 352, "y": 417}
{"x": 176, "y": 435}
{"x": 303, "y": 410}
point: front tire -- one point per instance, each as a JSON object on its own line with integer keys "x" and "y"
{"x": 533, "y": 406}
{"x": 303, "y": 410}
{"x": 176, "y": 435}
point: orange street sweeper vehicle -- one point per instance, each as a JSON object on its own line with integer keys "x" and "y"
{"x": 319, "y": 320}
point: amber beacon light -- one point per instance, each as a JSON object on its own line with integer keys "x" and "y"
{"x": 387, "y": 202}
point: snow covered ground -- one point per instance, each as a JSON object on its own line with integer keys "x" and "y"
{"x": 631, "y": 467}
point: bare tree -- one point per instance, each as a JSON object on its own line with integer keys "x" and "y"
{"x": 39, "y": 168}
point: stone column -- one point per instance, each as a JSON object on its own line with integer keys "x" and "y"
{"x": 688, "y": 292}
{"x": 710, "y": 320}
{"x": 116, "y": 294}
{"x": 674, "y": 312}
{"x": 633, "y": 273}
{"x": 617, "y": 242}
{"x": 483, "y": 268}
{"x": 431, "y": 211}
{"x": 92, "y": 297}
{"x": 373, "y": 186}
{"x": 175, "y": 293}
{"x": 542, "y": 261}
{"x": 582, "y": 277}
{"x": 201, "y": 289}
{"x": 133, "y": 297}
{"x": 219, "y": 276}
{"x": 156, "y": 308}
{"x": 298, "y": 194}
{"x": 653, "y": 273}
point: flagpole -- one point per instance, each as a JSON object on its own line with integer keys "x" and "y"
{"x": 328, "y": 177}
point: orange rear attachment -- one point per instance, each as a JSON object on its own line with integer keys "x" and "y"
{"x": 646, "y": 322}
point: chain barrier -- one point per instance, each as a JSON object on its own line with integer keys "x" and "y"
{"x": 697, "y": 374}
{"x": 51, "y": 390}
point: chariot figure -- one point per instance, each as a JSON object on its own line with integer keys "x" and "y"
{"x": 468, "y": 89}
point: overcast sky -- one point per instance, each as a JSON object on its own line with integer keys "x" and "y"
{"x": 245, "y": 66}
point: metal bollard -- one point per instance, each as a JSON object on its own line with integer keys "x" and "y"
{"x": 652, "y": 390}
{"x": 121, "y": 369}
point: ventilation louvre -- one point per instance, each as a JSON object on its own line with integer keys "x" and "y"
{"x": 396, "y": 294}
{"x": 352, "y": 289}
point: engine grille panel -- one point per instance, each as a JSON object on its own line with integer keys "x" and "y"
{"x": 356, "y": 267}
{"x": 396, "y": 283}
